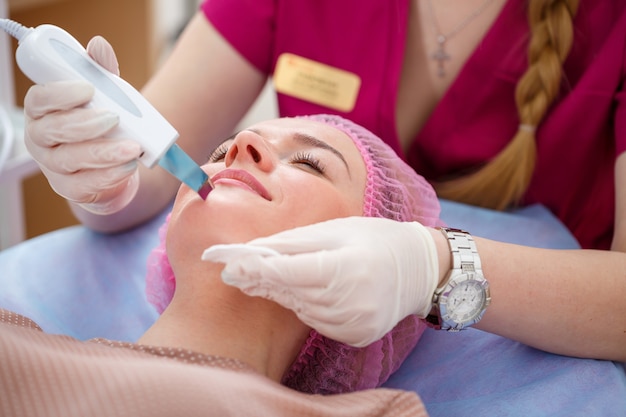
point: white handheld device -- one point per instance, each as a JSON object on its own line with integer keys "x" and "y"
{"x": 48, "y": 53}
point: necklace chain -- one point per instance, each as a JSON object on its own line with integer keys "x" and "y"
{"x": 440, "y": 55}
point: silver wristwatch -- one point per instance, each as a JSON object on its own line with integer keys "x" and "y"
{"x": 463, "y": 299}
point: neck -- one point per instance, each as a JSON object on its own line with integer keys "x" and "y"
{"x": 212, "y": 318}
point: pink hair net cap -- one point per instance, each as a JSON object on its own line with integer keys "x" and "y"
{"x": 324, "y": 366}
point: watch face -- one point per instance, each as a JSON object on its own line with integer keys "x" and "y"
{"x": 466, "y": 300}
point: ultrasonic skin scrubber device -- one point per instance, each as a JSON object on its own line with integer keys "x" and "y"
{"x": 48, "y": 53}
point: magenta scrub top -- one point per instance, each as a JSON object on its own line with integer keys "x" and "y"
{"x": 577, "y": 142}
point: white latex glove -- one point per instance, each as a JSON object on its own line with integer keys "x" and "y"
{"x": 68, "y": 141}
{"x": 352, "y": 279}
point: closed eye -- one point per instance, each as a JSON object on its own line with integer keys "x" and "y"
{"x": 305, "y": 158}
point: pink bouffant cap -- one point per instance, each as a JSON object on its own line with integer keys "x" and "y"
{"x": 324, "y": 366}
{"x": 393, "y": 189}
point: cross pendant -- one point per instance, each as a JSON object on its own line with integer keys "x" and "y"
{"x": 440, "y": 55}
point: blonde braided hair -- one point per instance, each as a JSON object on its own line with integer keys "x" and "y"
{"x": 504, "y": 179}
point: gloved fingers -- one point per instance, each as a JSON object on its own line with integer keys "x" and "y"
{"x": 343, "y": 333}
{"x": 282, "y": 271}
{"x": 113, "y": 200}
{"x": 317, "y": 316}
{"x": 355, "y": 330}
{"x": 89, "y": 155}
{"x": 287, "y": 280}
{"x": 301, "y": 301}
{"x": 311, "y": 238}
{"x": 90, "y": 186}
{"x": 226, "y": 253}
{"x": 102, "y": 52}
{"x": 283, "y": 296}
{"x": 236, "y": 254}
{"x": 70, "y": 126}
{"x": 56, "y": 96}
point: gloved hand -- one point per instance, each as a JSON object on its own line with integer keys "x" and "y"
{"x": 69, "y": 141}
{"x": 352, "y": 279}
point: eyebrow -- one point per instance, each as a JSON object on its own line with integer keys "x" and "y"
{"x": 303, "y": 139}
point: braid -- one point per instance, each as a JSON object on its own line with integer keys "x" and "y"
{"x": 503, "y": 180}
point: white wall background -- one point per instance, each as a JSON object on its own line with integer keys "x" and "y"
{"x": 7, "y": 96}
{"x": 12, "y": 227}
{"x": 171, "y": 16}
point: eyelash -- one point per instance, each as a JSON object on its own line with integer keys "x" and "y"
{"x": 219, "y": 153}
{"x": 299, "y": 158}
{"x": 309, "y": 160}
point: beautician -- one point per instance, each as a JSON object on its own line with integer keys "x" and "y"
{"x": 498, "y": 103}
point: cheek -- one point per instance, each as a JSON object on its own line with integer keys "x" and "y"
{"x": 320, "y": 204}
{"x": 183, "y": 238}
{"x": 192, "y": 228}
{"x": 223, "y": 218}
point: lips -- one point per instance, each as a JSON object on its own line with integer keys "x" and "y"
{"x": 244, "y": 177}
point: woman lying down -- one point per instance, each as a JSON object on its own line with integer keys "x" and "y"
{"x": 215, "y": 350}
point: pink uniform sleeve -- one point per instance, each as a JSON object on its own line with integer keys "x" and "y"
{"x": 620, "y": 97}
{"x": 620, "y": 118}
{"x": 247, "y": 25}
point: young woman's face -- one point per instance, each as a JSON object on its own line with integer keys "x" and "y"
{"x": 273, "y": 176}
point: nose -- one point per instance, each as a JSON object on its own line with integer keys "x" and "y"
{"x": 250, "y": 147}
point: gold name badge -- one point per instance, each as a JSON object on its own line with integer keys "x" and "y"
{"x": 316, "y": 82}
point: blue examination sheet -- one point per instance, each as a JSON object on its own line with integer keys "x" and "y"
{"x": 84, "y": 284}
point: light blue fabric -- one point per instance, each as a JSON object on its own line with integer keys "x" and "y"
{"x": 473, "y": 373}
{"x": 84, "y": 284}
{"x": 81, "y": 283}
{"x": 532, "y": 225}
